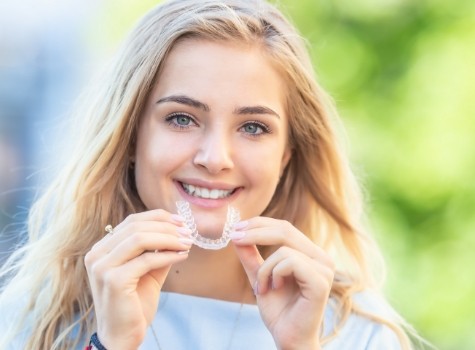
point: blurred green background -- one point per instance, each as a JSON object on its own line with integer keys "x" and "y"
{"x": 402, "y": 73}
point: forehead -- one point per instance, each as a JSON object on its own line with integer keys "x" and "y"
{"x": 215, "y": 56}
{"x": 230, "y": 70}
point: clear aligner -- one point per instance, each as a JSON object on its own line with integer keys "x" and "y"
{"x": 232, "y": 218}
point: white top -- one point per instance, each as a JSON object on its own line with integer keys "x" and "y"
{"x": 185, "y": 322}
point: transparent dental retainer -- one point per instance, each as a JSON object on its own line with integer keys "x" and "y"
{"x": 232, "y": 218}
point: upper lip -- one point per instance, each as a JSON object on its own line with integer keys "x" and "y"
{"x": 208, "y": 184}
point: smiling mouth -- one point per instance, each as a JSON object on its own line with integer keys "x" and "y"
{"x": 206, "y": 193}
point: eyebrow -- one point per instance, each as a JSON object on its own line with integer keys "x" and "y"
{"x": 256, "y": 110}
{"x": 185, "y": 100}
{"x": 188, "y": 101}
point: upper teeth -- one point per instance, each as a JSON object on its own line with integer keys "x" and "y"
{"x": 206, "y": 192}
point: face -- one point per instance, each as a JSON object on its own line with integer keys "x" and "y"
{"x": 213, "y": 133}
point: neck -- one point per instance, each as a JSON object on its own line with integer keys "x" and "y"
{"x": 216, "y": 274}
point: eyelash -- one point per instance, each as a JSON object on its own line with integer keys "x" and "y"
{"x": 171, "y": 120}
{"x": 265, "y": 129}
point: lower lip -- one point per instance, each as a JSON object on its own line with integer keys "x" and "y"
{"x": 206, "y": 202}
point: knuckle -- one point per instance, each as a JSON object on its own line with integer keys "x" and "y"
{"x": 96, "y": 246}
{"x": 136, "y": 240}
{"x": 326, "y": 276}
{"x": 111, "y": 280}
{"x": 281, "y": 234}
{"x": 283, "y": 251}
{"x": 315, "y": 251}
{"x": 148, "y": 258}
{"x": 96, "y": 270}
{"x": 91, "y": 256}
{"x": 287, "y": 227}
{"x": 131, "y": 218}
{"x": 161, "y": 212}
{"x": 88, "y": 260}
{"x": 292, "y": 259}
{"x": 262, "y": 274}
{"x": 134, "y": 226}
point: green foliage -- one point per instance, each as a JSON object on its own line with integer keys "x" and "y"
{"x": 403, "y": 77}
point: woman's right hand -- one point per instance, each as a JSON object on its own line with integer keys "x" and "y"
{"x": 126, "y": 273}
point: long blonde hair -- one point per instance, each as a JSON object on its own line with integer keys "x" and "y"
{"x": 317, "y": 192}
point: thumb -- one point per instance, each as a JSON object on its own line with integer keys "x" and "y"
{"x": 160, "y": 275}
{"x": 250, "y": 259}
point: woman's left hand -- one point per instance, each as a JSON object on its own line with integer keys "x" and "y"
{"x": 292, "y": 285}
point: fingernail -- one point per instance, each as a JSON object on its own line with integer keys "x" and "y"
{"x": 235, "y": 235}
{"x": 183, "y": 252}
{"x": 184, "y": 231}
{"x": 178, "y": 218}
{"x": 256, "y": 288}
{"x": 240, "y": 225}
{"x": 186, "y": 241}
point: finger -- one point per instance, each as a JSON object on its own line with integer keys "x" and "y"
{"x": 269, "y": 231}
{"x": 251, "y": 261}
{"x": 287, "y": 262}
{"x": 265, "y": 278}
{"x": 314, "y": 280}
{"x": 124, "y": 278}
{"x": 130, "y": 245}
{"x": 139, "y": 243}
{"x": 303, "y": 272}
{"x": 272, "y": 232}
{"x": 313, "y": 286}
{"x": 109, "y": 242}
{"x": 153, "y": 215}
{"x": 133, "y": 246}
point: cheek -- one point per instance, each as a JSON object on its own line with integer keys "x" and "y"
{"x": 158, "y": 161}
{"x": 159, "y": 148}
{"x": 263, "y": 168}
{"x": 154, "y": 157}
{"x": 262, "y": 175}
{"x": 272, "y": 154}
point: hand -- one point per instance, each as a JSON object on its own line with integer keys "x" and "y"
{"x": 126, "y": 272}
{"x": 292, "y": 285}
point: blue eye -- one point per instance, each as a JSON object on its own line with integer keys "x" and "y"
{"x": 255, "y": 128}
{"x": 180, "y": 120}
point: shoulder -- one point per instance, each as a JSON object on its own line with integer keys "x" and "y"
{"x": 17, "y": 322}
{"x": 364, "y": 328}
{"x": 15, "y": 330}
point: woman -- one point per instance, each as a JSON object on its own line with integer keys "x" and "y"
{"x": 213, "y": 103}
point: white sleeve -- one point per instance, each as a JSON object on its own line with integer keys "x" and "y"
{"x": 383, "y": 337}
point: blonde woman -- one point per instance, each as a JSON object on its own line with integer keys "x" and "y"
{"x": 212, "y": 104}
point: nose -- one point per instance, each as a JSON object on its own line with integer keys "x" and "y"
{"x": 214, "y": 152}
